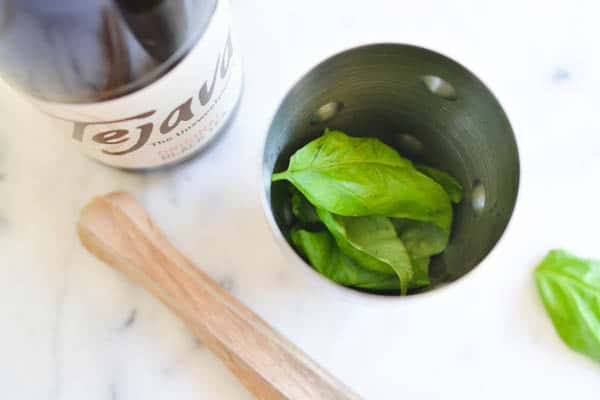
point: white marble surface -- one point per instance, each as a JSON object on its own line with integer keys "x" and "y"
{"x": 72, "y": 329}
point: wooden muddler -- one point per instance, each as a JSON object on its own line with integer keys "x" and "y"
{"x": 117, "y": 230}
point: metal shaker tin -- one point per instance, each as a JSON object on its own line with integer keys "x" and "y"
{"x": 432, "y": 110}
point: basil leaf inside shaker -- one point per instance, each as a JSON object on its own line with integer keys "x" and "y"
{"x": 365, "y": 217}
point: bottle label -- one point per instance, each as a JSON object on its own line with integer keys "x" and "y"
{"x": 169, "y": 119}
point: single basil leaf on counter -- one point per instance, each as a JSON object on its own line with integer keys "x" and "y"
{"x": 372, "y": 242}
{"x": 570, "y": 290}
{"x": 303, "y": 210}
{"x": 325, "y": 256}
{"x": 445, "y": 180}
{"x": 363, "y": 176}
{"x": 422, "y": 239}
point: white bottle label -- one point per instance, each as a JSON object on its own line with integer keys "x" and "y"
{"x": 169, "y": 119}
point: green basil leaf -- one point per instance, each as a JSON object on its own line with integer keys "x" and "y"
{"x": 421, "y": 273}
{"x": 372, "y": 242}
{"x": 302, "y": 209}
{"x": 421, "y": 239}
{"x": 351, "y": 176}
{"x": 447, "y": 181}
{"x": 325, "y": 256}
{"x": 570, "y": 290}
{"x": 306, "y": 213}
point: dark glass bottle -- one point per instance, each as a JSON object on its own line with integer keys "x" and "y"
{"x": 136, "y": 83}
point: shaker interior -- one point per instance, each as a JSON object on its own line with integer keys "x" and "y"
{"x": 428, "y": 107}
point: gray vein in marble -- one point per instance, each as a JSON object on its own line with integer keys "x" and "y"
{"x": 3, "y": 219}
{"x": 227, "y": 283}
{"x": 172, "y": 195}
{"x": 131, "y": 318}
{"x": 561, "y": 75}
{"x": 180, "y": 360}
{"x": 62, "y": 290}
{"x": 55, "y": 341}
{"x": 113, "y": 391}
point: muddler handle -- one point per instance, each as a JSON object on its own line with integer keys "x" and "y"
{"x": 117, "y": 230}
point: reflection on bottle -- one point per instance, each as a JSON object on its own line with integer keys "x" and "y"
{"x": 159, "y": 26}
{"x": 79, "y": 51}
{"x": 117, "y": 56}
